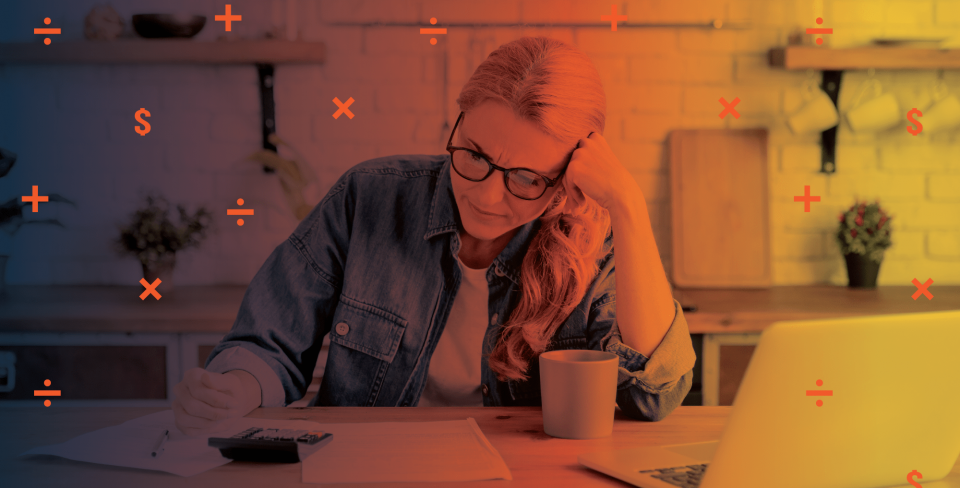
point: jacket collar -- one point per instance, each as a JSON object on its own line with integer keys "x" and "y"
{"x": 445, "y": 219}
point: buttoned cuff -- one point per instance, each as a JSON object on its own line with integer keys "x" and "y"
{"x": 659, "y": 373}
{"x": 271, "y": 391}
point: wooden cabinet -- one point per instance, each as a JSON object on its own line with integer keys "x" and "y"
{"x": 122, "y": 372}
{"x": 109, "y": 369}
{"x": 93, "y": 369}
{"x": 731, "y": 321}
{"x": 102, "y": 345}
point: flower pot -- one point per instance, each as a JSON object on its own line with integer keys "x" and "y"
{"x": 161, "y": 268}
{"x": 862, "y": 271}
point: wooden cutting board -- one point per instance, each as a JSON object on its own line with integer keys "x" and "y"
{"x": 721, "y": 231}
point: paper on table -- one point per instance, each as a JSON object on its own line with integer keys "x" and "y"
{"x": 453, "y": 450}
{"x": 130, "y": 443}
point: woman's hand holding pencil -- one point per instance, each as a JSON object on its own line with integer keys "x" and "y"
{"x": 205, "y": 402}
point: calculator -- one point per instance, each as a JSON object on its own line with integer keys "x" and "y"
{"x": 271, "y": 445}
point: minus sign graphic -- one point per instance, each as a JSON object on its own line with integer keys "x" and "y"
{"x": 46, "y": 392}
{"x": 433, "y": 31}
{"x": 239, "y": 211}
{"x": 819, "y": 392}
{"x": 46, "y": 31}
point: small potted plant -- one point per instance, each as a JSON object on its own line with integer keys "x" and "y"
{"x": 863, "y": 235}
{"x": 12, "y": 216}
{"x": 154, "y": 239}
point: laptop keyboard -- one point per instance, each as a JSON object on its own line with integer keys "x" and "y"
{"x": 683, "y": 476}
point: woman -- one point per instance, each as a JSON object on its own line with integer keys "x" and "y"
{"x": 440, "y": 279}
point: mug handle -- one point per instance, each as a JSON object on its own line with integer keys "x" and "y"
{"x": 939, "y": 91}
{"x": 877, "y": 90}
{"x": 809, "y": 89}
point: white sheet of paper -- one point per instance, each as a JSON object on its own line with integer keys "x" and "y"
{"x": 453, "y": 450}
{"x": 130, "y": 444}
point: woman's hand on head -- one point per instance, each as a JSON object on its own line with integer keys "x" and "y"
{"x": 596, "y": 172}
{"x": 206, "y": 402}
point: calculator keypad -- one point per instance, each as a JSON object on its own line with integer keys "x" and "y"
{"x": 281, "y": 435}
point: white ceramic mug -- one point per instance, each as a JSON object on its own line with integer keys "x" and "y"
{"x": 817, "y": 114}
{"x": 943, "y": 115}
{"x": 578, "y": 389}
{"x": 879, "y": 113}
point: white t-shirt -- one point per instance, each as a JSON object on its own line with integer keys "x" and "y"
{"x": 453, "y": 377}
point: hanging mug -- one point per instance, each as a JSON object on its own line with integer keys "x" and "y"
{"x": 818, "y": 112}
{"x": 945, "y": 112}
{"x": 879, "y": 113}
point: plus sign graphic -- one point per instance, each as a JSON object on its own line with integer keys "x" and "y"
{"x": 35, "y": 199}
{"x": 228, "y": 18}
{"x": 613, "y": 17}
{"x": 806, "y": 198}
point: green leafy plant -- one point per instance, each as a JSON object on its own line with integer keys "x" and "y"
{"x": 11, "y": 211}
{"x": 150, "y": 234}
{"x": 864, "y": 229}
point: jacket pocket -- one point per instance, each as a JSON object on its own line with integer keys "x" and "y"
{"x": 367, "y": 329}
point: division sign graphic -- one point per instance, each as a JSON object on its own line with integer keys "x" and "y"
{"x": 819, "y": 393}
{"x": 47, "y": 30}
{"x": 46, "y": 403}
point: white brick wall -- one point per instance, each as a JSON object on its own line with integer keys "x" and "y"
{"x": 71, "y": 124}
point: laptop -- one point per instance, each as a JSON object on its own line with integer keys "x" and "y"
{"x": 890, "y": 404}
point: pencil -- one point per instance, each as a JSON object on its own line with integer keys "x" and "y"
{"x": 160, "y": 443}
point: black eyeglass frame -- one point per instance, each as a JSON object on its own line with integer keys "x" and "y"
{"x": 551, "y": 182}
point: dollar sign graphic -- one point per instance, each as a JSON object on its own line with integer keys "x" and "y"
{"x": 914, "y": 472}
{"x": 146, "y": 125}
{"x": 919, "y": 127}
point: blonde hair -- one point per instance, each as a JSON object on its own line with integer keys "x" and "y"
{"x": 557, "y": 87}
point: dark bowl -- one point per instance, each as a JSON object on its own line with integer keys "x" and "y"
{"x": 168, "y": 25}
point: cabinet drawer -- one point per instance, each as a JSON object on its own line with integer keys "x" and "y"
{"x": 733, "y": 365}
{"x": 90, "y": 372}
{"x": 89, "y": 369}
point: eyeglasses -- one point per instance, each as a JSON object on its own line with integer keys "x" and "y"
{"x": 522, "y": 183}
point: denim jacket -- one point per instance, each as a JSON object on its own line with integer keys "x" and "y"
{"x": 373, "y": 266}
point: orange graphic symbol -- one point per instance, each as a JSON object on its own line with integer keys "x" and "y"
{"x": 728, "y": 107}
{"x": 811, "y": 30}
{"x": 138, "y": 115}
{"x": 806, "y": 198}
{"x": 438, "y": 30}
{"x": 613, "y": 17}
{"x": 52, "y": 30}
{"x": 240, "y": 211}
{"x": 343, "y": 107}
{"x": 916, "y": 127}
{"x": 228, "y": 18}
{"x": 922, "y": 289}
{"x": 35, "y": 199}
{"x": 151, "y": 289}
{"x": 46, "y": 403}
{"x": 913, "y": 474}
{"x": 819, "y": 393}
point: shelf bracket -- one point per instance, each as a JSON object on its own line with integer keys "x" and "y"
{"x": 828, "y": 138}
{"x": 267, "y": 108}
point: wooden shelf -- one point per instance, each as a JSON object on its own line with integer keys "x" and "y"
{"x": 742, "y": 311}
{"x": 79, "y": 308}
{"x": 203, "y": 309}
{"x": 154, "y": 51}
{"x": 820, "y": 58}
